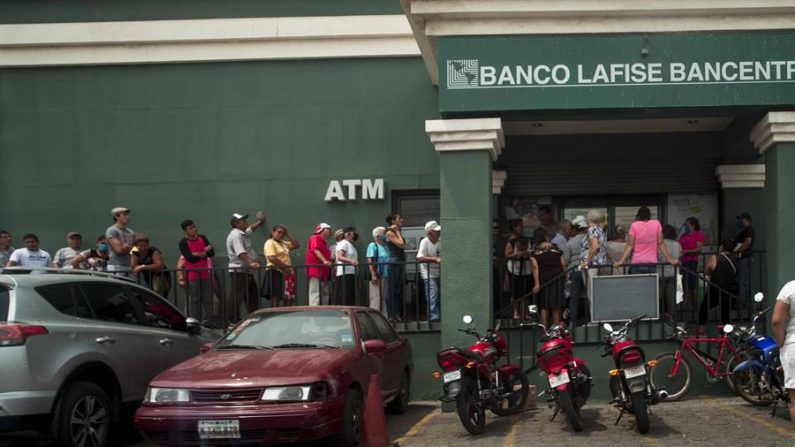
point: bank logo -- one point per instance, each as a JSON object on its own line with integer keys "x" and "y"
{"x": 462, "y": 73}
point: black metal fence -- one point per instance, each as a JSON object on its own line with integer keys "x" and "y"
{"x": 220, "y": 295}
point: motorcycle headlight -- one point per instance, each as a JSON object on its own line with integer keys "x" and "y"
{"x": 166, "y": 395}
{"x": 296, "y": 393}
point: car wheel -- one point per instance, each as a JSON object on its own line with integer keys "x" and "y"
{"x": 401, "y": 403}
{"x": 352, "y": 419}
{"x": 84, "y": 416}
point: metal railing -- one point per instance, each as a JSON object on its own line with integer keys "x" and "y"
{"x": 220, "y": 295}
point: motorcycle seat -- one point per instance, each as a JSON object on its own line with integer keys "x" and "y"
{"x": 472, "y": 355}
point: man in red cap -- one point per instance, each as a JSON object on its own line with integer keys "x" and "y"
{"x": 318, "y": 261}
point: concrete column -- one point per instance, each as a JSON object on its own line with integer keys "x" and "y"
{"x": 467, "y": 148}
{"x": 774, "y": 136}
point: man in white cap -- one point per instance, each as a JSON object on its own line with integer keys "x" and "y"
{"x": 429, "y": 256}
{"x": 121, "y": 239}
{"x": 318, "y": 265}
{"x": 242, "y": 259}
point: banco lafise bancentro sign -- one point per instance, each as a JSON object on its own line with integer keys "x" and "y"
{"x": 616, "y": 71}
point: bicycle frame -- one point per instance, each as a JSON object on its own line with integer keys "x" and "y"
{"x": 686, "y": 346}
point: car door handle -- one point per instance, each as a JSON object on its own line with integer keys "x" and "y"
{"x": 105, "y": 339}
{"x": 165, "y": 342}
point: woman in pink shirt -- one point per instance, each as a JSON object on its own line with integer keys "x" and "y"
{"x": 645, "y": 235}
{"x": 692, "y": 240}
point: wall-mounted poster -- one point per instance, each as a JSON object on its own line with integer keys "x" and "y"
{"x": 703, "y": 207}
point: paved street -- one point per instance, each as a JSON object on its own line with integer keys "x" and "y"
{"x": 695, "y": 421}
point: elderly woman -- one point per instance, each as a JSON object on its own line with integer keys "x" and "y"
{"x": 279, "y": 277}
{"x": 784, "y": 334}
{"x": 645, "y": 236}
{"x": 377, "y": 257}
{"x": 594, "y": 251}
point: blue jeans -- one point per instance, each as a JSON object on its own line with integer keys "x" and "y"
{"x": 432, "y": 293}
{"x": 394, "y": 290}
{"x": 642, "y": 268}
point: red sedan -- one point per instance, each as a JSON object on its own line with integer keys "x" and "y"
{"x": 280, "y": 375}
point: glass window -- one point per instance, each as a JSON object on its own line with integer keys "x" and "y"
{"x": 108, "y": 302}
{"x": 367, "y": 328}
{"x": 625, "y": 215}
{"x": 417, "y": 208}
{"x": 292, "y": 329}
{"x": 59, "y": 296}
{"x": 4, "y": 299}
{"x": 157, "y": 311}
{"x": 384, "y": 328}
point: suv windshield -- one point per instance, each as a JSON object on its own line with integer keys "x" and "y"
{"x": 304, "y": 329}
{"x": 4, "y": 298}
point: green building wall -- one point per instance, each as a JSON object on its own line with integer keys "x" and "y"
{"x": 202, "y": 141}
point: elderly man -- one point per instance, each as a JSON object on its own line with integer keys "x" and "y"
{"x": 429, "y": 256}
{"x": 242, "y": 259}
{"x": 63, "y": 257}
{"x": 5, "y": 247}
{"x": 318, "y": 262}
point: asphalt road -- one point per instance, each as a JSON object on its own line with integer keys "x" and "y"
{"x": 696, "y": 421}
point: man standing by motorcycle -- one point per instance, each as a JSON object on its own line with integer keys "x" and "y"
{"x": 784, "y": 334}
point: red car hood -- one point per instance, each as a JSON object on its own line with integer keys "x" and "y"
{"x": 253, "y": 368}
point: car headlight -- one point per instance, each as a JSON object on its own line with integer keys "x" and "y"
{"x": 166, "y": 395}
{"x": 296, "y": 393}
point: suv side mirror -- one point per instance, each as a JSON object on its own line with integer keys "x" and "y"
{"x": 193, "y": 326}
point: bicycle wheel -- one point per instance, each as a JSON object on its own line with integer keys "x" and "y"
{"x": 660, "y": 376}
{"x": 728, "y": 366}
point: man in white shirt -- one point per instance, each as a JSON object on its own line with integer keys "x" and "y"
{"x": 242, "y": 259}
{"x": 429, "y": 255}
{"x": 63, "y": 257}
{"x": 31, "y": 255}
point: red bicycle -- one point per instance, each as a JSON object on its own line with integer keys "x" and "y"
{"x": 673, "y": 373}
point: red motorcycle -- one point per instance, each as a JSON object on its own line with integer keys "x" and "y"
{"x": 569, "y": 378}
{"x": 629, "y": 382}
{"x": 474, "y": 381}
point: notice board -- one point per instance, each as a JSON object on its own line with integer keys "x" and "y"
{"x": 623, "y": 297}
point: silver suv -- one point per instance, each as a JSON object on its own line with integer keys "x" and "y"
{"x": 74, "y": 348}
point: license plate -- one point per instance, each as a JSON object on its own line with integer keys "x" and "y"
{"x": 635, "y": 371}
{"x": 556, "y": 381}
{"x": 219, "y": 429}
{"x": 452, "y": 376}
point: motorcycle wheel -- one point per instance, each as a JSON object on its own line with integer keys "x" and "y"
{"x": 566, "y": 403}
{"x": 639, "y": 408}
{"x": 747, "y": 386}
{"x": 470, "y": 410}
{"x": 660, "y": 376}
{"x": 518, "y": 398}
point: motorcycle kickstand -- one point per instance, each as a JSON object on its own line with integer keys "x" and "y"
{"x": 557, "y": 409}
{"x": 621, "y": 413}
{"x": 773, "y": 412}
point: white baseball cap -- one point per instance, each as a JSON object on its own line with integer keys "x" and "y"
{"x": 432, "y": 226}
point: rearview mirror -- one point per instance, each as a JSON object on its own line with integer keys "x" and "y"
{"x": 728, "y": 328}
{"x": 193, "y": 326}
{"x": 608, "y": 327}
{"x": 373, "y": 346}
{"x": 533, "y": 309}
{"x": 759, "y": 297}
{"x": 467, "y": 319}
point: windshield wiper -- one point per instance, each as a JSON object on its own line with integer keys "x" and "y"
{"x": 243, "y": 347}
{"x": 303, "y": 345}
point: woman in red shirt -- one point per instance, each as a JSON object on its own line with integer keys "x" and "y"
{"x": 692, "y": 241}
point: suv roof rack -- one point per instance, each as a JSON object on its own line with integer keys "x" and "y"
{"x": 26, "y": 270}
